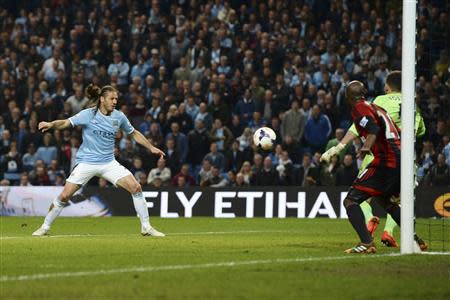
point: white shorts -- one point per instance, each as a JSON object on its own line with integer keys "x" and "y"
{"x": 112, "y": 171}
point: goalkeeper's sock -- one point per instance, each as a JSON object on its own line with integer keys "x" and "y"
{"x": 367, "y": 211}
{"x": 356, "y": 218}
{"x": 141, "y": 208}
{"x": 54, "y": 211}
{"x": 390, "y": 225}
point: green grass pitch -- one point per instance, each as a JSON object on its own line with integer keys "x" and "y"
{"x": 206, "y": 258}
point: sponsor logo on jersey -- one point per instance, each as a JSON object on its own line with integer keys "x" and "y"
{"x": 105, "y": 134}
{"x": 363, "y": 122}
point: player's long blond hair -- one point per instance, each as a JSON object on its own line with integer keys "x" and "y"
{"x": 94, "y": 92}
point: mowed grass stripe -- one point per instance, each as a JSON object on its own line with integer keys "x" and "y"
{"x": 190, "y": 266}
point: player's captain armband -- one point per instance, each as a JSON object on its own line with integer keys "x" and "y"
{"x": 353, "y": 130}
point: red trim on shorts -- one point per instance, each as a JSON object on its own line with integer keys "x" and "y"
{"x": 368, "y": 190}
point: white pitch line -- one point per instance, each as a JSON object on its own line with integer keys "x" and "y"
{"x": 136, "y": 234}
{"x": 436, "y": 253}
{"x": 185, "y": 267}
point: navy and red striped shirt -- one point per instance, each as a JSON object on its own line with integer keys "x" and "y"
{"x": 372, "y": 119}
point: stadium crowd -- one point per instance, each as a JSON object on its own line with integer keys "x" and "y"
{"x": 198, "y": 77}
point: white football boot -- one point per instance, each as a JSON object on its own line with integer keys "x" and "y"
{"x": 41, "y": 231}
{"x": 150, "y": 231}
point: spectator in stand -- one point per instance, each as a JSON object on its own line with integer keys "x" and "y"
{"x": 29, "y": 158}
{"x": 192, "y": 109}
{"x": 128, "y": 152}
{"x": 240, "y": 180}
{"x": 446, "y": 150}
{"x": 182, "y": 72}
{"x": 317, "y": 130}
{"x": 439, "y": 174}
{"x": 24, "y": 180}
{"x": 215, "y": 157}
{"x": 245, "y": 107}
{"x": 141, "y": 177}
{"x": 181, "y": 182}
{"x": 204, "y": 175}
{"x": 119, "y": 68}
{"x": 426, "y": 159}
{"x": 293, "y": 123}
{"x": 246, "y": 173}
{"x": 267, "y": 175}
{"x": 137, "y": 166}
{"x": 161, "y": 172}
{"x": 181, "y": 141}
{"x": 246, "y": 139}
{"x": 221, "y": 135}
{"x": 173, "y": 159}
{"x": 11, "y": 164}
{"x": 178, "y": 45}
{"x": 54, "y": 169}
{"x": 52, "y": 65}
{"x": 216, "y": 180}
{"x": 41, "y": 176}
{"x": 156, "y": 135}
{"x": 204, "y": 115}
{"x": 231, "y": 179}
{"x": 257, "y": 122}
{"x": 77, "y": 101}
{"x": 47, "y": 152}
{"x": 198, "y": 141}
{"x": 218, "y": 109}
{"x": 257, "y": 163}
{"x": 308, "y": 174}
{"x": 347, "y": 173}
{"x": 5, "y": 142}
{"x": 60, "y": 180}
{"x": 234, "y": 157}
{"x": 285, "y": 169}
{"x": 190, "y": 181}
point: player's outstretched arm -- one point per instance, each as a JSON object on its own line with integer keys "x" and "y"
{"x": 349, "y": 137}
{"x": 57, "y": 124}
{"x": 140, "y": 139}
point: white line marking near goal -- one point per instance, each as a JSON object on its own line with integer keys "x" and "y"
{"x": 190, "y": 266}
{"x": 436, "y": 253}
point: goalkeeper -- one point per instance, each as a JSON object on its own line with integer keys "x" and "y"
{"x": 391, "y": 103}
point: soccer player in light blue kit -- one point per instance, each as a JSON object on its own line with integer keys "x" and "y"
{"x": 96, "y": 154}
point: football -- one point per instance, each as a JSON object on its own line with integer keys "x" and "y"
{"x": 264, "y": 138}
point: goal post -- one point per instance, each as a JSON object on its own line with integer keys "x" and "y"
{"x": 408, "y": 119}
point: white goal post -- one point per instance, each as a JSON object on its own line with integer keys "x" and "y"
{"x": 408, "y": 119}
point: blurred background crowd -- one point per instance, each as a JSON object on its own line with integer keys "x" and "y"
{"x": 198, "y": 77}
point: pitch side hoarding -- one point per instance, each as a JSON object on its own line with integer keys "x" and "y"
{"x": 266, "y": 202}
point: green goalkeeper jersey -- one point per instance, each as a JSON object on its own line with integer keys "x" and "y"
{"x": 392, "y": 104}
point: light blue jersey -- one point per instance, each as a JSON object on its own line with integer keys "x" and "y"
{"x": 99, "y": 133}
